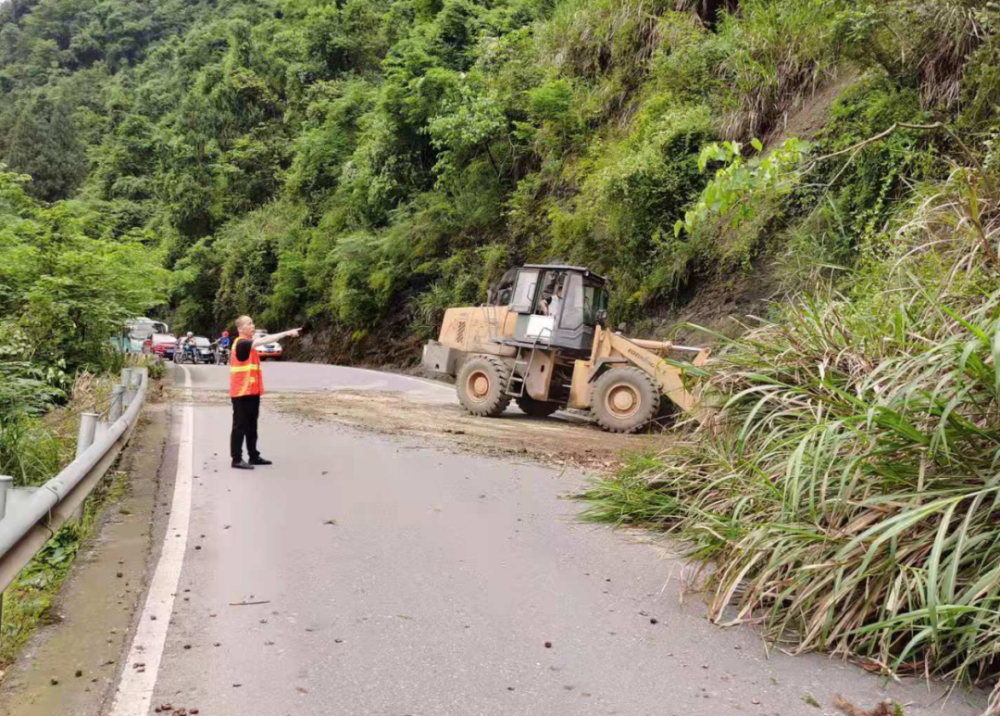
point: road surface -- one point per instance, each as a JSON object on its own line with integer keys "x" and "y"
{"x": 370, "y": 574}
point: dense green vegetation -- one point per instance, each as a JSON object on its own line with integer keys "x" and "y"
{"x": 67, "y": 284}
{"x": 361, "y": 165}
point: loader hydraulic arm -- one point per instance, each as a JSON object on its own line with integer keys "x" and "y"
{"x": 645, "y": 355}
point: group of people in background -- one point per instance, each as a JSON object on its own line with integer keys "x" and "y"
{"x": 187, "y": 347}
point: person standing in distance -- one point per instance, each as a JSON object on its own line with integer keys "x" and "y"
{"x": 246, "y": 385}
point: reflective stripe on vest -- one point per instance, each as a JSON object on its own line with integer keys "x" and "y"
{"x": 245, "y": 377}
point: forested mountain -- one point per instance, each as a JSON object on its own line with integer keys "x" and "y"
{"x": 363, "y": 164}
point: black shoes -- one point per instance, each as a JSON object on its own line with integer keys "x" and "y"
{"x": 241, "y": 465}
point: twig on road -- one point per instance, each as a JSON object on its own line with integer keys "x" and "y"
{"x": 248, "y": 604}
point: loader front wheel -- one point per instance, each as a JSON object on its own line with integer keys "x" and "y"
{"x": 481, "y": 383}
{"x": 537, "y": 408}
{"x": 624, "y": 400}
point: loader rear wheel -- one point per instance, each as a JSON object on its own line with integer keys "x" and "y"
{"x": 480, "y": 384}
{"x": 624, "y": 400}
{"x": 537, "y": 408}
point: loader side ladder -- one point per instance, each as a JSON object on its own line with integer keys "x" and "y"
{"x": 516, "y": 384}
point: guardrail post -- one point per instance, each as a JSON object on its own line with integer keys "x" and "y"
{"x": 100, "y": 430}
{"x": 127, "y": 386}
{"x": 88, "y": 429}
{"x": 117, "y": 397}
{"x": 6, "y": 483}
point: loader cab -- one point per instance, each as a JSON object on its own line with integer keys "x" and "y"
{"x": 558, "y": 306}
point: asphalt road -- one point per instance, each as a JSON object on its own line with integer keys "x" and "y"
{"x": 397, "y": 578}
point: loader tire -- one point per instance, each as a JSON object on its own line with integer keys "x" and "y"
{"x": 624, "y": 400}
{"x": 481, "y": 383}
{"x": 537, "y": 408}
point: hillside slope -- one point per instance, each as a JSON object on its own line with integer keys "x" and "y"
{"x": 360, "y": 166}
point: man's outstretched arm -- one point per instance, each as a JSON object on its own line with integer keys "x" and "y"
{"x": 264, "y": 340}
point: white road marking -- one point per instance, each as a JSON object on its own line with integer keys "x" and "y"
{"x": 135, "y": 691}
{"x": 187, "y": 376}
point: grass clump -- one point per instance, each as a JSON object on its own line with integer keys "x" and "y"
{"x": 850, "y": 493}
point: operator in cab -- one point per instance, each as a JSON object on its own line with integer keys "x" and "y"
{"x": 554, "y": 303}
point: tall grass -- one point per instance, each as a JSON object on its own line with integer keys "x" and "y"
{"x": 850, "y": 497}
{"x": 776, "y": 53}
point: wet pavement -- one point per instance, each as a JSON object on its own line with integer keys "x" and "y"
{"x": 371, "y": 574}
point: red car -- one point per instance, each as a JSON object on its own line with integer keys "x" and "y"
{"x": 163, "y": 345}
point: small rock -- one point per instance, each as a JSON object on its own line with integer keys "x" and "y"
{"x": 654, "y": 620}
{"x": 79, "y": 673}
{"x": 54, "y": 681}
{"x": 548, "y": 645}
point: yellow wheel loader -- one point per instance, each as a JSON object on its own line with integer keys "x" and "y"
{"x": 540, "y": 341}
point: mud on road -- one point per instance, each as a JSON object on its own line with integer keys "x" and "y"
{"x": 433, "y": 419}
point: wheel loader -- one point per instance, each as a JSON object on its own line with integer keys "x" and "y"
{"x": 541, "y": 341}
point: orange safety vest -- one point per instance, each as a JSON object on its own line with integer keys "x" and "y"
{"x": 245, "y": 377}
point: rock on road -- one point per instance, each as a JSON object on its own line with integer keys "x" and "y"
{"x": 397, "y": 577}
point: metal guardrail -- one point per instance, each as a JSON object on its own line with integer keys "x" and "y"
{"x": 29, "y": 517}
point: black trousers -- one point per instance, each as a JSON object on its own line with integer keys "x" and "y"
{"x": 246, "y": 410}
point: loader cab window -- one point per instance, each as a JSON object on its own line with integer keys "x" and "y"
{"x": 583, "y": 303}
{"x": 503, "y": 291}
{"x": 595, "y": 304}
{"x": 523, "y": 300}
{"x": 572, "y": 303}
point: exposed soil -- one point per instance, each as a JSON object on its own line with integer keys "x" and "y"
{"x": 728, "y": 304}
{"x": 812, "y": 111}
{"x": 724, "y": 306}
{"x": 564, "y": 439}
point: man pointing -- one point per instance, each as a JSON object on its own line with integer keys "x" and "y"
{"x": 246, "y": 385}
